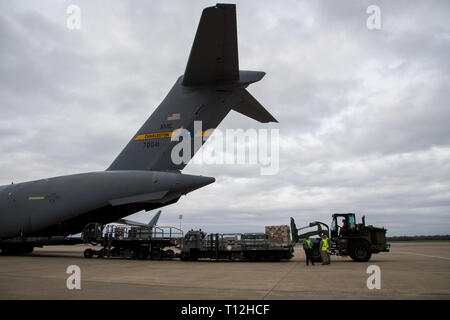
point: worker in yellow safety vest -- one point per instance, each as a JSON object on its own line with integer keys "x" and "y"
{"x": 324, "y": 250}
{"x": 308, "y": 246}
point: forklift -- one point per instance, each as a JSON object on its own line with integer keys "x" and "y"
{"x": 346, "y": 237}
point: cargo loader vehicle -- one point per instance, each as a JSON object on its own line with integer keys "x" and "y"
{"x": 346, "y": 237}
{"x": 131, "y": 242}
{"x": 235, "y": 246}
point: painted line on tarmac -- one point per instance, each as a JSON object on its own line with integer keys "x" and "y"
{"x": 424, "y": 255}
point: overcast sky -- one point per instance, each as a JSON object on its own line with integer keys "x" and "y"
{"x": 364, "y": 115}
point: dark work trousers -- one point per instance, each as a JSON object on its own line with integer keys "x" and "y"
{"x": 309, "y": 257}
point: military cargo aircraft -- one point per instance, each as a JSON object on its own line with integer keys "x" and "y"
{"x": 143, "y": 176}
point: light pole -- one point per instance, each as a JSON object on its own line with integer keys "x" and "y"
{"x": 180, "y": 217}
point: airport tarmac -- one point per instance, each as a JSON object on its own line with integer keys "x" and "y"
{"x": 419, "y": 270}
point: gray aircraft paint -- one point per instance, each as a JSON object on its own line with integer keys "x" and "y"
{"x": 37, "y": 204}
{"x": 143, "y": 176}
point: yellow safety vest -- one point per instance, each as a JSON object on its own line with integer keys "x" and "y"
{"x": 309, "y": 243}
{"x": 325, "y": 245}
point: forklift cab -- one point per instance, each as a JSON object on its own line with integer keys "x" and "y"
{"x": 345, "y": 227}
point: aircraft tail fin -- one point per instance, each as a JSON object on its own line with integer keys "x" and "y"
{"x": 154, "y": 220}
{"x": 211, "y": 87}
{"x": 214, "y": 54}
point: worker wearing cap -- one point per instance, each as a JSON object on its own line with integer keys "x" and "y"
{"x": 324, "y": 249}
{"x": 308, "y": 246}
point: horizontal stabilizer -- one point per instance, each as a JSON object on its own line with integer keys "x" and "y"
{"x": 214, "y": 54}
{"x": 250, "y": 107}
{"x": 247, "y": 77}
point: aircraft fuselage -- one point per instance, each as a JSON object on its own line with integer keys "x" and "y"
{"x": 58, "y": 205}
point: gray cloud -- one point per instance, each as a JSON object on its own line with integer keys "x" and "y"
{"x": 363, "y": 114}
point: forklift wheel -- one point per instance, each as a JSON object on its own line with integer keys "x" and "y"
{"x": 360, "y": 251}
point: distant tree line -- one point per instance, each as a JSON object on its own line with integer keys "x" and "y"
{"x": 416, "y": 238}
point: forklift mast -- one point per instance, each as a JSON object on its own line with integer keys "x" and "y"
{"x": 322, "y": 229}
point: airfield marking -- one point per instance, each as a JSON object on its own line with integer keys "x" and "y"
{"x": 425, "y": 255}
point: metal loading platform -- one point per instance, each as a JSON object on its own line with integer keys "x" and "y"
{"x": 131, "y": 242}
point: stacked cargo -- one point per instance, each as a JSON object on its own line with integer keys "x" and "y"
{"x": 278, "y": 233}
